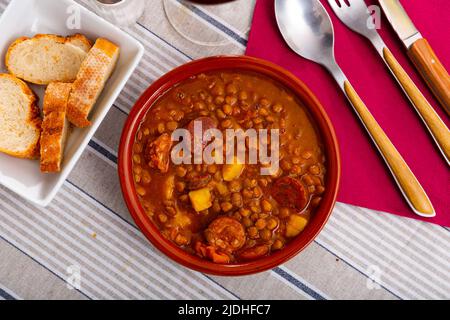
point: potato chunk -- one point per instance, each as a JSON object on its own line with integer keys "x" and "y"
{"x": 222, "y": 189}
{"x": 201, "y": 199}
{"x": 295, "y": 225}
{"x": 181, "y": 220}
{"x": 233, "y": 171}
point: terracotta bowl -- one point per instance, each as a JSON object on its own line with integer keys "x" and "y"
{"x": 243, "y": 63}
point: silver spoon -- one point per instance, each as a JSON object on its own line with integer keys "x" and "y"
{"x": 307, "y": 29}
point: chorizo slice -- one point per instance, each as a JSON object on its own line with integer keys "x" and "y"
{"x": 199, "y": 182}
{"x": 291, "y": 193}
{"x": 226, "y": 234}
{"x": 206, "y": 122}
{"x": 157, "y": 153}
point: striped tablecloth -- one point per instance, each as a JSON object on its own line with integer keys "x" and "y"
{"x": 87, "y": 230}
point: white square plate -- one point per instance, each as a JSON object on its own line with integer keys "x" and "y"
{"x": 27, "y": 18}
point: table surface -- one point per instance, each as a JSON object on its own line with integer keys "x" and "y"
{"x": 360, "y": 254}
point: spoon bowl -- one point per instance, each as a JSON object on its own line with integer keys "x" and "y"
{"x": 313, "y": 34}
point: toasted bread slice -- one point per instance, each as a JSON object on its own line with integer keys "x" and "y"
{"x": 55, "y": 127}
{"x": 94, "y": 72}
{"x": 79, "y": 41}
{"x": 20, "y": 122}
{"x": 47, "y": 58}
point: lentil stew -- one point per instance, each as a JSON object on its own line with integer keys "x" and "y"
{"x": 229, "y": 213}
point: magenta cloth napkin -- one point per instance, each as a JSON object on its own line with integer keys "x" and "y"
{"x": 365, "y": 178}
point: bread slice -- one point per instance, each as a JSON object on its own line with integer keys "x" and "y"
{"x": 20, "y": 122}
{"x": 47, "y": 58}
{"x": 79, "y": 41}
{"x": 91, "y": 79}
{"x": 55, "y": 127}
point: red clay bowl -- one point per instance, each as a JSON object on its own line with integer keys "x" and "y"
{"x": 244, "y": 63}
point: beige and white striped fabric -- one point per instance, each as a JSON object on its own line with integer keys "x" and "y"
{"x": 87, "y": 230}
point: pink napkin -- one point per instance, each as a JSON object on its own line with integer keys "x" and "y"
{"x": 365, "y": 178}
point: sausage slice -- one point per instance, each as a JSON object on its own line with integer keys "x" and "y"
{"x": 290, "y": 192}
{"x": 206, "y": 122}
{"x": 199, "y": 182}
{"x": 226, "y": 234}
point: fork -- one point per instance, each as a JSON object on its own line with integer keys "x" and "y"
{"x": 356, "y": 15}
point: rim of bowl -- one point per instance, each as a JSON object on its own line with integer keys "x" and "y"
{"x": 242, "y": 63}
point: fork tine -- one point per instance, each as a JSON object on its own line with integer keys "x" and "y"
{"x": 360, "y": 3}
{"x": 354, "y": 14}
{"x": 335, "y": 4}
{"x": 357, "y": 3}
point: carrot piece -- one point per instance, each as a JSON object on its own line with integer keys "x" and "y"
{"x": 220, "y": 258}
{"x": 200, "y": 248}
{"x": 216, "y": 256}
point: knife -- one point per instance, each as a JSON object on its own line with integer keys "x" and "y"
{"x": 419, "y": 52}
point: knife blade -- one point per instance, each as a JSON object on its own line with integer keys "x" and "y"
{"x": 400, "y": 21}
{"x": 419, "y": 51}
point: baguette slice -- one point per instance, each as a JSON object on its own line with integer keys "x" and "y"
{"x": 47, "y": 58}
{"x": 55, "y": 127}
{"x": 91, "y": 79}
{"x": 20, "y": 122}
